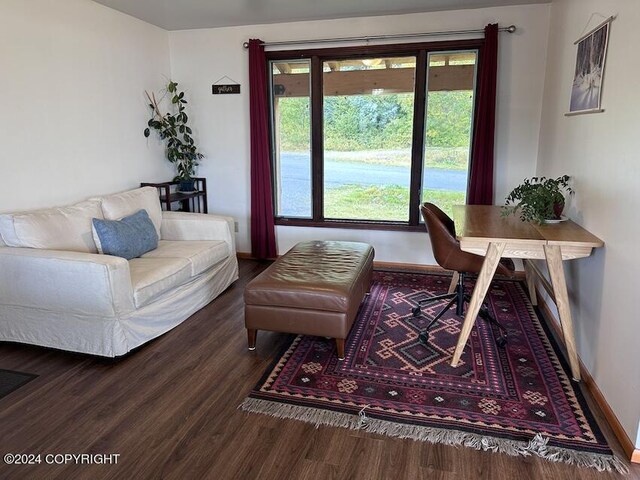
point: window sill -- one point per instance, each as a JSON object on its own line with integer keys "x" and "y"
{"x": 350, "y": 224}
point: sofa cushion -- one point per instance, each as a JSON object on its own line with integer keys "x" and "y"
{"x": 119, "y": 205}
{"x": 129, "y": 237}
{"x": 151, "y": 277}
{"x": 61, "y": 228}
{"x": 201, "y": 254}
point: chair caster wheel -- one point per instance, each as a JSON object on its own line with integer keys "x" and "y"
{"x": 423, "y": 338}
{"x": 501, "y": 341}
{"x": 415, "y": 311}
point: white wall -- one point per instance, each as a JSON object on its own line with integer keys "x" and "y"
{"x": 72, "y": 115}
{"x": 201, "y": 57}
{"x": 601, "y": 152}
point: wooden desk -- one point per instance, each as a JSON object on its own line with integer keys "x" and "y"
{"x": 482, "y": 230}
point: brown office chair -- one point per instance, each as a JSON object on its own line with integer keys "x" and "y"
{"x": 447, "y": 252}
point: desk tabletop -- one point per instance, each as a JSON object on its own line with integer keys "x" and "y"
{"x": 485, "y": 222}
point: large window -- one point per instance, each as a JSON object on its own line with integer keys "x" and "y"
{"x": 291, "y": 128}
{"x": 448, "y": 127}
{"x": 362, "y": 137}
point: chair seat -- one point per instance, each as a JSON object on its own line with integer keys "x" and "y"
{"x": 506, "y": 268}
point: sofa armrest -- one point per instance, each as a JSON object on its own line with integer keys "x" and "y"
{"x": 198, "y": 226}
{"x": 73, "y": 282}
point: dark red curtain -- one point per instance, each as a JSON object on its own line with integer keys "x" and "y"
{"x": 263, "y": 238}
{"x": 481, "y": 177}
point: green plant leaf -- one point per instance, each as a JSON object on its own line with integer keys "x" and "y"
{"x": 536, "y": 198}
{"x": 172, "y": 128}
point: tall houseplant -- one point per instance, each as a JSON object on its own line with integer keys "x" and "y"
{"x": 538, "y": 199}
{"x": 172, "y": 127}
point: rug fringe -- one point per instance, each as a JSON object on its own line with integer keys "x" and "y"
{"x": 537, "y": 445}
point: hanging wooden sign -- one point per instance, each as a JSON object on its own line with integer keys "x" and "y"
{"x": 225, "y": 89}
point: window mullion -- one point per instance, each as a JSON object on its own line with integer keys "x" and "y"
{"x": 417, "y": 147}
{"x": 317, "y": 140}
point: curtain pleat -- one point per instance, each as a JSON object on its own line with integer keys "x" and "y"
{"x": 481, "y": 177}
{"x": 263, "y": 241}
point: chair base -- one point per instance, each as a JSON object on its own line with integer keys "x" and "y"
{"x": 458, "y": 298}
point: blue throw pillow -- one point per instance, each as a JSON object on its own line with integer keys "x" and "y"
{"x": 128, "y": 237}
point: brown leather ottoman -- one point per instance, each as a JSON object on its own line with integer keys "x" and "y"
{"x": 314, "y": 289}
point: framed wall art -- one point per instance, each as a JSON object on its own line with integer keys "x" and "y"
{"x": 586, "y": 90}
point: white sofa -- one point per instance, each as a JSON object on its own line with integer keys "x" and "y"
{"x": 57, "y": 291}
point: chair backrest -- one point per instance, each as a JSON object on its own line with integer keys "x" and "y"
{"x": 445, "y": 245}
{"x": 442, "y": 232}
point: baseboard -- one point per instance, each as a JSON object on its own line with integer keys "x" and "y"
{"x": 412, "y": 267}
{"x": 628, "y": 447}
{"x": 408, "y": 266}
{"x": 380, "y": 265}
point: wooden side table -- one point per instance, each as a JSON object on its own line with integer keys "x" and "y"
{"x": 173, "y": 200}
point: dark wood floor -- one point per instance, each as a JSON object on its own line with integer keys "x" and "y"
{"x": 170, "y": 411}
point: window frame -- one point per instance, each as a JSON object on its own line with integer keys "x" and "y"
{"x": 316, "y": 57}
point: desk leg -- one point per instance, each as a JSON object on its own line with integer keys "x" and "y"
{"x": 531, "y": 281}
{"x": 556, "y": 272}
{"x": 489, "y": 266}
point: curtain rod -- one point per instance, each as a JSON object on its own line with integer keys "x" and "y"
{"x": 509, "y": 29}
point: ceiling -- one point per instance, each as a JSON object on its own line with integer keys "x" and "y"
{"x": 188, "y": 14}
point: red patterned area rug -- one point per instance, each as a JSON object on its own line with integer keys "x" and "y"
{"x": 518, "y": 400}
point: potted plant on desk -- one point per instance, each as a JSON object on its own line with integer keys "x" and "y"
{"x": 539, "y": 199}
{"x": 172, "y": 127}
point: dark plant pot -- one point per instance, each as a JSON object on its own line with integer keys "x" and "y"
{"x": 558, "y": 207}
{"x": 187, "y": 185}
